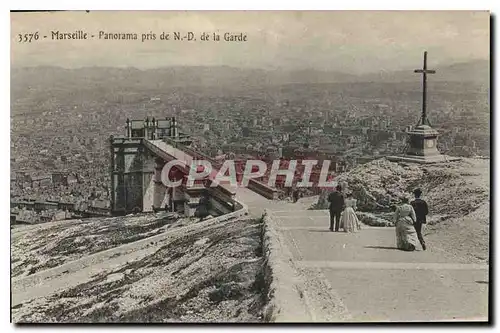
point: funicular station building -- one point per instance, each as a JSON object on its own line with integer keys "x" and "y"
{"x": 136, "y": 164}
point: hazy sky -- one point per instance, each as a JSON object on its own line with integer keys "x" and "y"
{"x": 349, "y": 41}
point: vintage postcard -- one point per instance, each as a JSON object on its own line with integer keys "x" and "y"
{"x": 250, "y": 166}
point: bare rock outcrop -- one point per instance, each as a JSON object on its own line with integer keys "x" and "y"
{"x": 209, "y": 271}
{"x": 374, "y": 220}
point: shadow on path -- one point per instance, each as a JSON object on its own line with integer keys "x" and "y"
{"x": 382, "y": 247}
{"x": 326, "y": 230}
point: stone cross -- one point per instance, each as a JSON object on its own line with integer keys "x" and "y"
{"x": 424, "y": 71}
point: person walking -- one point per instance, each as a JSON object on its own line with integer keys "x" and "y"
{"x": 404, "y": 220}
{"x": 348, "y": 220}
{"x": 295, "y": 194}
{"x": 421, "y": 210}
{"x": 337, "y": 204}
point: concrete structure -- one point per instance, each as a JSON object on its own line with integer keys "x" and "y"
{"x": 137, "y": 161}
{"x": 422, "y": 141}
{"x": 136, "y": 170}
{"x": 422, "y": 147}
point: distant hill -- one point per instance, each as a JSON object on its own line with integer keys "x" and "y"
{"x": 168, "y": 77}
{"x": 477, "y": 71}
{"x": 42, "y": 78}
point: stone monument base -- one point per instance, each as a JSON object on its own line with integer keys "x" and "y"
{"x": 429, "y": 159}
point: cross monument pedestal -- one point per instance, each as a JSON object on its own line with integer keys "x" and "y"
{"x": 422, "y": 141}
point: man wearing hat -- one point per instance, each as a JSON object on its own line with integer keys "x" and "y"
{"x": 421, "y": 211}
{"x": 337, "y": 205}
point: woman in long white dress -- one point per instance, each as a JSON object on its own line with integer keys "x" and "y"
{"x": 349, "y": 221}
{"x": 405, "y": 231}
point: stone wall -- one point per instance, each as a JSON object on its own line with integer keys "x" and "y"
{"x": 284, "y": 300}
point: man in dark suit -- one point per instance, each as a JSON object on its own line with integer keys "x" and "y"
{"x": 295, "y": 194}
{"x": 336, "y": 199}
{"x": 421, "y": 211}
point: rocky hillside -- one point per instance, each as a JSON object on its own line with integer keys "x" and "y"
{"x": 452, "y": 190}
{"x": 199, "y": 272}
{"x": 457, "y": 194}
{"x": 43, "y": 246}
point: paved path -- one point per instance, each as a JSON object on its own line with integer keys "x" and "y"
{"x": 257, "y": 204}
{"x": 362, "y": 277}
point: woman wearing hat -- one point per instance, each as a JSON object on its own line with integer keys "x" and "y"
{"x": 349, "y": 221}
{"x": 405, "y": 232}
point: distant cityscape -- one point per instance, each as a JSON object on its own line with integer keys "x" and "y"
{"x": 59, "y": 138}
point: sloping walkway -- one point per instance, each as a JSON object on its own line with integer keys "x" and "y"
{"x": 363, "y": 277}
